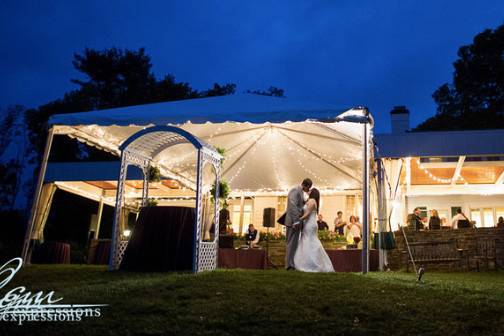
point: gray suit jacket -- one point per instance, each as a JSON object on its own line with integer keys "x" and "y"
{"x": 295, "y": 203}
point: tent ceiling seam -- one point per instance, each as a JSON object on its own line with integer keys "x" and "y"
{"x": 338, "y": 133}
{"x": 318, "y": 156}
{"x": 319, "y": 135}
{"x": 244, "y": 153}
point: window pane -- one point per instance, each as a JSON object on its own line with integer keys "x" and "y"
{"x": 246, "y": 219}
{"x": 423, "y": 211}
{"x": 488, "y": 219}
{"x": 454, "y": 211}
{"x": 236, "y": 222}
{"x": 476, "y": 216}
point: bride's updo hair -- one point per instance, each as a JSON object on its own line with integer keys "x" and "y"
{"x": 315, "y": 194}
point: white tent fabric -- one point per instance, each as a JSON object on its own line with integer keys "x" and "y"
{"x": 239, "y": 108}
{"x": 271, "y": 143}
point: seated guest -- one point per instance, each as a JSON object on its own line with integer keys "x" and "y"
{"x": 416, "y": 221}
{"x": 321, "y": 224}
{"x": 434, "y": 221}
{"x": 354, "y": 229}
{"x": 252, "y": 236}
{"x": 500, "y": 223}
{"x": 458, "y": 217}
{"x": 339, "y": 224}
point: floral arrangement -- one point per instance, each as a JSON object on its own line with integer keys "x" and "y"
{"x": 151, "y": 202}
{"x": 328, "y": 236}
{"x": 272, "y": 236}
{"x": 154, "y": 175}
{"x": 222, "y": 152}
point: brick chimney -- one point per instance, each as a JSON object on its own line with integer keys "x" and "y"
{"x": 399, "y": 117}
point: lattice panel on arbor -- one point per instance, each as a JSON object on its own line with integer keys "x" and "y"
{"x": 122, "y": 248}
{"x": 207, "y": 256}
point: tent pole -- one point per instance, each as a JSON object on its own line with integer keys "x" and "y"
{"x": 98, "y": 220}
{"x": 26, "y": 252}
{"x": 382, "y": 212}
{"x": 365, "y": 203}
{"x": 198, "y": 219}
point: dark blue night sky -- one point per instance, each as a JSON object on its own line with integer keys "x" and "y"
{"x": 373, "y": 53}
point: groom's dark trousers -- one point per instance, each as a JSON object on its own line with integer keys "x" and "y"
{"x": 295, "y": 202}
{"x": 291, "y": 246}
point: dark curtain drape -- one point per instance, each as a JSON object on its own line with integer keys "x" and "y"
{"x": 162, "y": 240}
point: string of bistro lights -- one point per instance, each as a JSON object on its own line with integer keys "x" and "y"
{"x": 291, "y": 151}
{"x": 295, "y": 152}
{"x": 280, "y": 181}
{"x": 314, "y": 157}
{"x": 187, "y": 168}
{"x": 253, "y": 150}
{"x": 230, "y": 153}
{"x": 439, "y": 179}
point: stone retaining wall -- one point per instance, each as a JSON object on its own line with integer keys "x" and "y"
{"x": 466, "y": 239}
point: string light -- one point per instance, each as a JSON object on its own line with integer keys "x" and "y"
{"x": 280, "y": 182}
{"x": 253, "y": 150}
{"x": 215, "y": 133}
{"x": 180, "y": 165}
{"x": 438, "y": 179}
{"x": 306, "y": 169}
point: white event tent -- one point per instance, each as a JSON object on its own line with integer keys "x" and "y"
{"x": 270, "y": 144}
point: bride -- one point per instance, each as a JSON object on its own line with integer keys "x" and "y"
{"x": 310, "y": 255}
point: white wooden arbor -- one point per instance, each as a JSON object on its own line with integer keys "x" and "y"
{"x": 140, "y": 149}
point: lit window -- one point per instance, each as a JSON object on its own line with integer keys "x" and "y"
{"x": 247, "y": 217}
{"x": 236, "y": 218}
{"x": 488, "y": 218}
{"x": 476, "y": 216}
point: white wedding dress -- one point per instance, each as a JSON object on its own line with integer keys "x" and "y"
{"x": 310, "y": 255}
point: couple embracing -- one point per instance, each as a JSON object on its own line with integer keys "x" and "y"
{"x": 304, "y": 251}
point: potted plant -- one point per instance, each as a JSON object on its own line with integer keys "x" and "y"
{"x": 151, "y": 202}
{"x": 224, "y": 188}
{"x": 153, "y": 175}
{"x": 222, "y": 152}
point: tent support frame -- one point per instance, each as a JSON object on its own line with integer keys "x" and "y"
{"x": 26, "y": 251}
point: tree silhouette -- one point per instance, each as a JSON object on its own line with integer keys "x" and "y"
{"x": 475, "y": 98}
{"x": 112, "y": 78}
{"x": 272, "y": 91}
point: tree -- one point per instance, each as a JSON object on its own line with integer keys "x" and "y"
{"x": 475, "y": 98}
{"x": 112, "y": 78}
{"x": 219, "y": 90}
{"x": 9, "y": 180}
{"x": 8, "y": 125}
{"x": 272, "y": 91}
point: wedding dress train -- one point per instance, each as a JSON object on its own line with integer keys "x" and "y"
{"x": 310, "y": 255}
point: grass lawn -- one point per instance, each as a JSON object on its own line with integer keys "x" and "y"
{"x": 240, "y": 302}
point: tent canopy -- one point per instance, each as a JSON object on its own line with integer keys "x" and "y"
{"x": 270, "y": 143}
{"x": 238, "y": 108}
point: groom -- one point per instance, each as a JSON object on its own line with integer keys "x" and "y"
{"x": 295, "y": 203}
